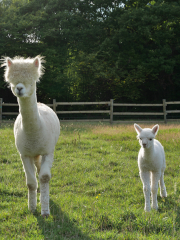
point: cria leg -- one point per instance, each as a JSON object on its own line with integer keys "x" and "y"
{"x": 155, "y": 176}
{"x": 163, "y": 192}
{"x": 44, "y": 177}
{"x": 145, "y": 178}
{"x": 31, "y": 182}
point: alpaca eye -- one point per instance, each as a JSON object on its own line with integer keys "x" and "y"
{"x": 140, "y": 138}
{"x": 150, "y": 139}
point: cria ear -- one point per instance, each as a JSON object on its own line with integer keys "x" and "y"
{"x": 9, "y": 62}
{"x": 36, "y": 62}
{"x": 155, "y": 129}
{"x": 137, "y": 128}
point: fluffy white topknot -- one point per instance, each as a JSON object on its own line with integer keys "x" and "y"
{"x": 19, "y": 67}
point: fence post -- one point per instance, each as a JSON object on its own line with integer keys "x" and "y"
{"x": 1, "y": 100}
{"x": 111, "y": 110}
{"x": 54, "y": 105}
{"x": 164, "y": 110}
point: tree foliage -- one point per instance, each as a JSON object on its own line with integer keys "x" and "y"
{"x": 96, "y": 50}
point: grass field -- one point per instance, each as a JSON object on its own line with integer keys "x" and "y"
{"x": 95, "y": 190}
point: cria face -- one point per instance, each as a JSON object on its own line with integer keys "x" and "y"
{"x": 146, "y": 136}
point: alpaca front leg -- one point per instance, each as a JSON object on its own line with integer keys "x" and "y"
{"x": 44, "y": 177}
{"x": 31, "y": 182}
{"x": 163, "y": 192}
{"x": 44, "y": 198}
{"x": 145, "y": 178}
{"x": 155, "y": 176}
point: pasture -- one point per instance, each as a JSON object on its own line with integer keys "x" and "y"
{"x": 95, "y": 190}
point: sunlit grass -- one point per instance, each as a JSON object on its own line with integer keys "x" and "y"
{"x": 95, "y": 190}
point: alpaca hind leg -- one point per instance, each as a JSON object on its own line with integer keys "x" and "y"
{"x": 31, "y": 182}
{"x": 37, "y": 162}
{"x": 155, "y": 176}
{"x": 145, "y": 178}
{"x": 163, "y": 192}
{"x": 44, "y": 177}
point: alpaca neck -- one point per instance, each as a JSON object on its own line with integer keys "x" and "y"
{"x": 29, "y": 112}
{"x": 148, "y": 152}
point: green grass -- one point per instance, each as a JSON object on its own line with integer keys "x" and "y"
{"x": 95, "y": 190}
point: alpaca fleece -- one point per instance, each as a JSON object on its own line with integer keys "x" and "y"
{"x": 151, "y": 162}
{"x": 36, "y": 128}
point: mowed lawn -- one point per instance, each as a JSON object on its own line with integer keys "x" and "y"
{"x": 95, "y": 190}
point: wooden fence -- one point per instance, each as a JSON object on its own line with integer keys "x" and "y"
{"x": 111, "y": 105}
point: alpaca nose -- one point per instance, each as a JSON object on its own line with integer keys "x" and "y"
{"x": 144, "y": 145}
{"x": 19, "y": 88}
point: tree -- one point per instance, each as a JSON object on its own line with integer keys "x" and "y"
{"x": 99, "y": 49}
{"x": 142, "y": 50}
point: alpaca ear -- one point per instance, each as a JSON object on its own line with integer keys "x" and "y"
{"x": 155, "y": 129}
{"x": 137, "y": 128}
{"x": 36, "y": 62}
{"x": 9, "y": 62}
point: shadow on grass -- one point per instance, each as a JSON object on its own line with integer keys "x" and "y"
{"x": 59, "y": 226}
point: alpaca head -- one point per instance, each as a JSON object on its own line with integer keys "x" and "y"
{"x": 146, "y": 136}
{"x": 22, "y": 74}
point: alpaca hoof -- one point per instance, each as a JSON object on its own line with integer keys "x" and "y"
{"x": 164, "y": 195}
{"x": 155, "y": 207}
{"x": 33, "y": 210}
{"x": 46, "y": 215}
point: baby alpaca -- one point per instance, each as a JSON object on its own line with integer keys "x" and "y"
{"x": 151, "y": 162}
{"x": 36, "y": 128}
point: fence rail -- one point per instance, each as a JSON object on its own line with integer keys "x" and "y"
{"x": 110, "y": 104}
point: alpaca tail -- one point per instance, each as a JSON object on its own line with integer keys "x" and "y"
{"x": 37, "y": 162}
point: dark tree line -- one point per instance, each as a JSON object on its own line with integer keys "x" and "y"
{"x": 96, "y": 50}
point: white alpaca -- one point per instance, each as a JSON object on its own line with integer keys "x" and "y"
{"x": 151, "y": 162}
{"x": 36, "y": 128}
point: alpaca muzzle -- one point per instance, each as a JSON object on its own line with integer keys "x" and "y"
{"x": 19, "y": 90}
